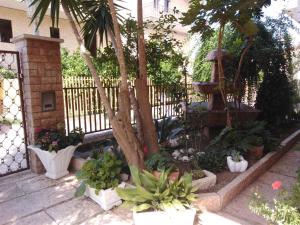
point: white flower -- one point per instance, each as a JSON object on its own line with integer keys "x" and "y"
{"x": 191, "y": 150}
{"x": 185, "y": 159}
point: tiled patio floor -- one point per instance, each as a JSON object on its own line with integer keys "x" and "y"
{"x": 30, "y": 199}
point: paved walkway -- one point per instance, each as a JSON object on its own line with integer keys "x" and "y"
{"x": 30, "y": 199}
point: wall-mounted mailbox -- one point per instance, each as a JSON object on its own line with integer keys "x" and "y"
{"x": 48, "y": 101}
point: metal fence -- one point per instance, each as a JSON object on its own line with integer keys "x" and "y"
{"x": 84, "y": 110}
{"x": 13, "y": 151}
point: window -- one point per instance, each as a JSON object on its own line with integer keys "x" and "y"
{"x": 5, "y": 31}
{"x": 161, "y": 5}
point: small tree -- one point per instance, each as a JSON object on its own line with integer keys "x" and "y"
{"x": 103, "y": 18}
{"x": 204, "y": 15}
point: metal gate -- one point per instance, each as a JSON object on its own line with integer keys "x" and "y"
{"x": 13, "y": 151}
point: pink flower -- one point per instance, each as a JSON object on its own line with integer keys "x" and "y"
{"x": 276, "y": 185}
{"x": 54, "y": 142}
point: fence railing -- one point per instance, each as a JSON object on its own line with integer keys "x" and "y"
{"x": 84, "y": 110}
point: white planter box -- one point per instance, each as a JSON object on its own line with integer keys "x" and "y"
{"x": 56, "y": 164}
{"x": 205, "y": 182}
{"x": 172, "y": 217}
{"x": 107, "y": 199}
{"x": 237, "y": 166}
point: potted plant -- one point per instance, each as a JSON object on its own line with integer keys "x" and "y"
{"x": 55, "y": 150}
{"x": 5, "y": 125}
{"x": 99, "y": 177}
{"x": 256, "y": 150}
{"x": 236, "y": 162}
{"x": 160, "y": 201}
{"x": 203, "y": 179}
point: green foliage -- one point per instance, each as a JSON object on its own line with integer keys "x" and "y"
{"x": 73, "y": 64}
{"x": 56, "y": 139}
{"x": 161, "y": 160}
{"x": 164, "y": 56}
{"x": 213, "y": 160}
{"x": 203, "y": 15}
{"x": 285, "y": 210}
{"x": 236, "y": 156}
{"x": 237, "y": 139}
{"x": 100, "y": 174}
{"x": 167, "y": 128}
{"x": 7, "y": 74}
{"x": 151, "y": 193}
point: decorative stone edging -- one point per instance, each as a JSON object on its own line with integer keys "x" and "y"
{"x": 215, "y": 201}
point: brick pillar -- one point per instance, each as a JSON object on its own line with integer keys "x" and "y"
{"x": 41, "y": 67}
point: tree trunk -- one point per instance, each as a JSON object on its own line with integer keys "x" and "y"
{"x": 222, "y": 82}
{"x": 121, "y": 124}
{"x": 142, "y": 90}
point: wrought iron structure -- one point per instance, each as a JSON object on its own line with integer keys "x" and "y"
{"x": 83, "y": 108}
{"x": 13, "y": 151}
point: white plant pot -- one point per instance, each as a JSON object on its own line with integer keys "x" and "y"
{"x": 55, "y": 163}
{"x": 107, "y": 199}
{"x": 206, "y": 182}
{"x": 170, "y": 217}
{"x": 237, "y": 166}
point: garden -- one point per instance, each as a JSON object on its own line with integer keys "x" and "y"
{"x": 234, "y": 115}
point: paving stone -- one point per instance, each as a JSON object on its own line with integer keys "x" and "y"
{"x": 10, "y": 191}
{"x": 285, "y": 169}
{"x": 11, "y": 179}
{"x": 36, "y": 183}
{"x": 30, "y": 203}
{"x": 40, "y": 218}
{"x": 107, "y": 218}
{"x": 239, "y": 208}
{"x": 269, "y": 177}
{"x": 208, "y": 218}
{"x": 75, "y": 211}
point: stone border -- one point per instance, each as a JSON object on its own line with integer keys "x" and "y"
{"x": 215, "y": 201}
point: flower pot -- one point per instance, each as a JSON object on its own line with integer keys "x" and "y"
{"x": 237, "y": 166}
{"x": 55, "y": 163}
{"x": 255, "y": 153}
{"x": 4, "y": 128}
{"x": 170, "y": 217}
{"x": 206, "y": 182}
{"x": 107, "y": 199}
{"x": 173, "y": 175}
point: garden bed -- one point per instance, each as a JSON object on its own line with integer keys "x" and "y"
{"x": 222, "y": 194}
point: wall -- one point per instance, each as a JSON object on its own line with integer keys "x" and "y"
{"x": 21, "y": 25}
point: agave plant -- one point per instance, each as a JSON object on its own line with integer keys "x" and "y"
{"x": 151, "y": 193}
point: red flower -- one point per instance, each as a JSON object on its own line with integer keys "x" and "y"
{"x": 145, "y": 150}
{"x": 276, "y": 185}
{"x": 37, "y": 130}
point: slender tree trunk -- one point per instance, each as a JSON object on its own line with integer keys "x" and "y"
{"x": 142, "y": 90}
{"x": 222, "y": 82}
{"x": 121, "y": 124}
{"x": 132, "y": 148}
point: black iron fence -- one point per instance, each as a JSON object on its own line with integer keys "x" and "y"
{"x": 84, "y": 110}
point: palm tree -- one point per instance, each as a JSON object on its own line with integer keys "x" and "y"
{"x": 91, "y": 15}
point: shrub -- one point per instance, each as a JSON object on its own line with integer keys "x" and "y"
{"x": 100, "y": 174}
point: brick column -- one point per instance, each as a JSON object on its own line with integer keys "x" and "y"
{"x": 41, "y": 68}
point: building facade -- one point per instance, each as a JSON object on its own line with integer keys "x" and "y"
{"x": 14, "y": 20}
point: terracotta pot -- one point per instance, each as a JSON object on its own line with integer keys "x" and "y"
{"x": 255, "y": 153}
{"x": 173, "y": 176}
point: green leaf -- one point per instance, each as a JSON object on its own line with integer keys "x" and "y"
{"x": 80, "y": 190}
{"x": 135, "y": 174}
{"x": 142, "y": 207}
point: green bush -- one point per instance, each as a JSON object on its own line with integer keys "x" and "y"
{"x": 100, "y": 174}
